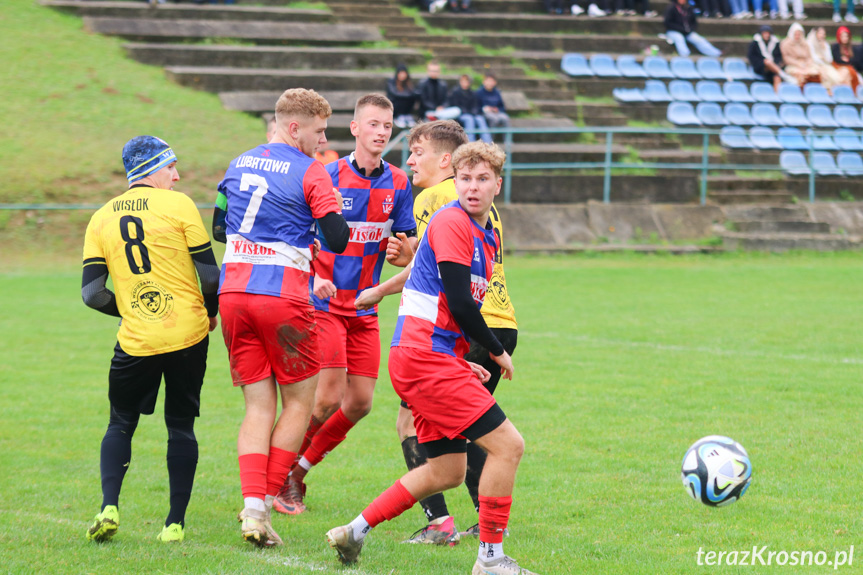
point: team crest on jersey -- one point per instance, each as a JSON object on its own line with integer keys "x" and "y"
{"x": 151, "y": 302}
{"x": 266, "y": 153}
{"x": 347, "y": 204}
{"x": 387, "y": 205}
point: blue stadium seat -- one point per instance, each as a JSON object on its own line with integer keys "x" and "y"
{"x": 710, "y": 114}
{"x": 738, "y": 114}
{"x": 824, "y": 164}
{"x": 655, "y": 91}
{"x": 791, "y": 139}
{"x": 791, "y": 94}
{"x": 575, "y": 65}
{"x": 794, "y": 163}
{"x": 817, "y": 94}
{"x": 684, "y": 68}
{"x": 850, "y": 163}
{"x": 793, "y": 115}
{"x": 847, "y": 140}
{"x": 628, "y": 95}
{"x": 820, "y": 116}
{"x": 682, "y": 91}
{"x": 682, "y": 114}
{"x": 657, "y": 67}
{"x": 763, "y": 92}
{"x": 710, "y": 68}
{"x": 629, "y": 67}
{"x": 844, "y": 95}
{"x": 736, "y": 69}
{"x": 737, "y": 92}
{"x": 847, "y": 117}
{"x": 603, "y": 66}
{"x": 763, "y": 138}
{"x": 709, "y": 91}
{"x": 765, "y": 115}
{"x": 823, "y": 142}
{"x": 734, "y": 137}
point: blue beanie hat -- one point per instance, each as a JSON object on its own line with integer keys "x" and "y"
{"x": 146, "y": 155}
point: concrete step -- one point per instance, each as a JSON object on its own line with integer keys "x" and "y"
{"x": 605, "y": 121}
{"x": 395, "y": 31}
{"x": 731, "y": 182}
{"x": 777, "y": 213}
{"x": 565, "y": 94}
{"x": 578, "y": 187}
{"x": 392, "y": 19}
{"x": 642, "y": 141}
{"x": 209, "y": 12}
{"x": 567, "y": 108}
{"x": 321, "y": 57}
{"x": 154, "y": 30}
{"x": 749, "y": 197}
{"x": 586, "y": 42}
{"x": 382, "y": 9}
{"x": 677, "y": 156}
{"x": 645, "y": 112}
{"x": 797, "y": 227}
{"x": 782, "y": 242}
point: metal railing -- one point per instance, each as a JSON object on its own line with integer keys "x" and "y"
{"x": 607, "y": 165}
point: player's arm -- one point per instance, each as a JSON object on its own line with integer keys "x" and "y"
{"x": 335, "y": 230}
{"x": 208, "y": 270}
{"x": 372, "y": 296}
{"x": 219, "y": 214}
{"x": 455, "y": 278}
{"x": 94, "y": 291}
{"x": 325, "y": 202}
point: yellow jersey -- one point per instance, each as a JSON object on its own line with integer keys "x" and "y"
{"x": 146, "y": 237}
{"x": 497, "y": 308}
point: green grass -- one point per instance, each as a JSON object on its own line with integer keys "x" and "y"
{"x": 72, "y": 99}
{"x": 622, "y": 362}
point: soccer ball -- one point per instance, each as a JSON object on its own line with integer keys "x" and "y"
{"x": 716, "y": 471}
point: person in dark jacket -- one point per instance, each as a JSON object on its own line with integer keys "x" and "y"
{"x": 846, "y": 55}
{"x": 433, "y": 95}
{"x": 680, "y": 28}
{"x": 471, "y": 117}
{"x": 766, "y": 57}
{"x": 491, "y": 103}
{"x": 403, "y": 95}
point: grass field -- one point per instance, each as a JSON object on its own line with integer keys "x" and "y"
{"x": 622, "y": 362}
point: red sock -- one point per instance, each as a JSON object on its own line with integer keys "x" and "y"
{"x": 389, "y": 504}
{"x": 277, "y": 469}
{"x": 333, "y": 432}
{"x": 253, "y": 475}
{"x": 493, "y": 518}
{"x": 314, "y": 426}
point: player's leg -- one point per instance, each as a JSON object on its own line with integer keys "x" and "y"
{"x": 133, "y": 384}
{"x": 475, "y": 455}
{"x": 184, "y": 377}
{"x": 504, "y": 446}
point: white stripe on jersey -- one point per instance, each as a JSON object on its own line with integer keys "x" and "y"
{"x": 239, "y": 250}
{"x": 420, "y": 305}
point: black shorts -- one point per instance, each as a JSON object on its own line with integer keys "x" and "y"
{"x": 133, "y": 382}
{"x": 487, "y": 422}
{"x": 478, "y": 354}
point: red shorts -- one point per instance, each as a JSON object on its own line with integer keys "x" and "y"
{"x": 266, "y": 336}
{"x": 350, "y": 342}
{"x": 444, "y": 395}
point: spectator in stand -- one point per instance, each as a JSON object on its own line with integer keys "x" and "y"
{"x": 403, "y": 95}
{"x": 715, "y": 8}
{"x": 798, "y": 58}
{"x": 846, "y": 56}
{"x": 849, "y": 12}
{"x": 471, "y": 117}
{"x": 766, "y": 57}
{"x": 433, "y": 94}
{"x": 758, "y": 9}
{"x": 797, "y": 5}
{"x": 432, "y": 6}
{"x": 553, "y": 7}
{"x": 462, "y": 6}
{"x": 491, "y": 103}
{"x": 627, "y": 8}
{"x": 595, "y": 8}
{"x": 738, "y": 9}
{"x": 823, "y": 58}
{"x": 680, "y": 26}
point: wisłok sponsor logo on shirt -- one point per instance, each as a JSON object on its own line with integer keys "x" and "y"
{"x": 365, "y": 232}
{"x": 478, "y": 287}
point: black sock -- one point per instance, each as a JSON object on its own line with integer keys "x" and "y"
{"x": 182, "y": 461}
{"x": 434, "y": 506}
{"x": 116, "y": 454}
{"x": 475, "y": 462}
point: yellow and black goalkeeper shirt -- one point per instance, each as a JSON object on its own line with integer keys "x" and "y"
{"x": 147, "y": 237}
{"x": 497, "y": 308}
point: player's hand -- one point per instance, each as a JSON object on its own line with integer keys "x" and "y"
{"x": 399, "y": 250}
{"x": 505, "y": 363}
{"x": 339, "y": 199}
{"x": 214, "y": 322}
{"x": 368, "y": 299}
{"x": 479, "y": 371}
{"x": 324, "y": 288}
{"x": 316, "y": 249}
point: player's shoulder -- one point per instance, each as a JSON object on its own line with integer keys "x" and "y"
{"x": 400, "y": 177}
{"x": 450, "y": 213}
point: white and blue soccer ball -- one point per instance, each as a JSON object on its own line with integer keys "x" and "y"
{"x": 716, "y": 471}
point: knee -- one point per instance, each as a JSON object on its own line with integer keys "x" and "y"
{"x": 450, "y": 477}
{"x": 357, "y": 409}
{"x": 123, "y": 421}
{"x": 180, "y": 428}
{"x": 405, "y": 424}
